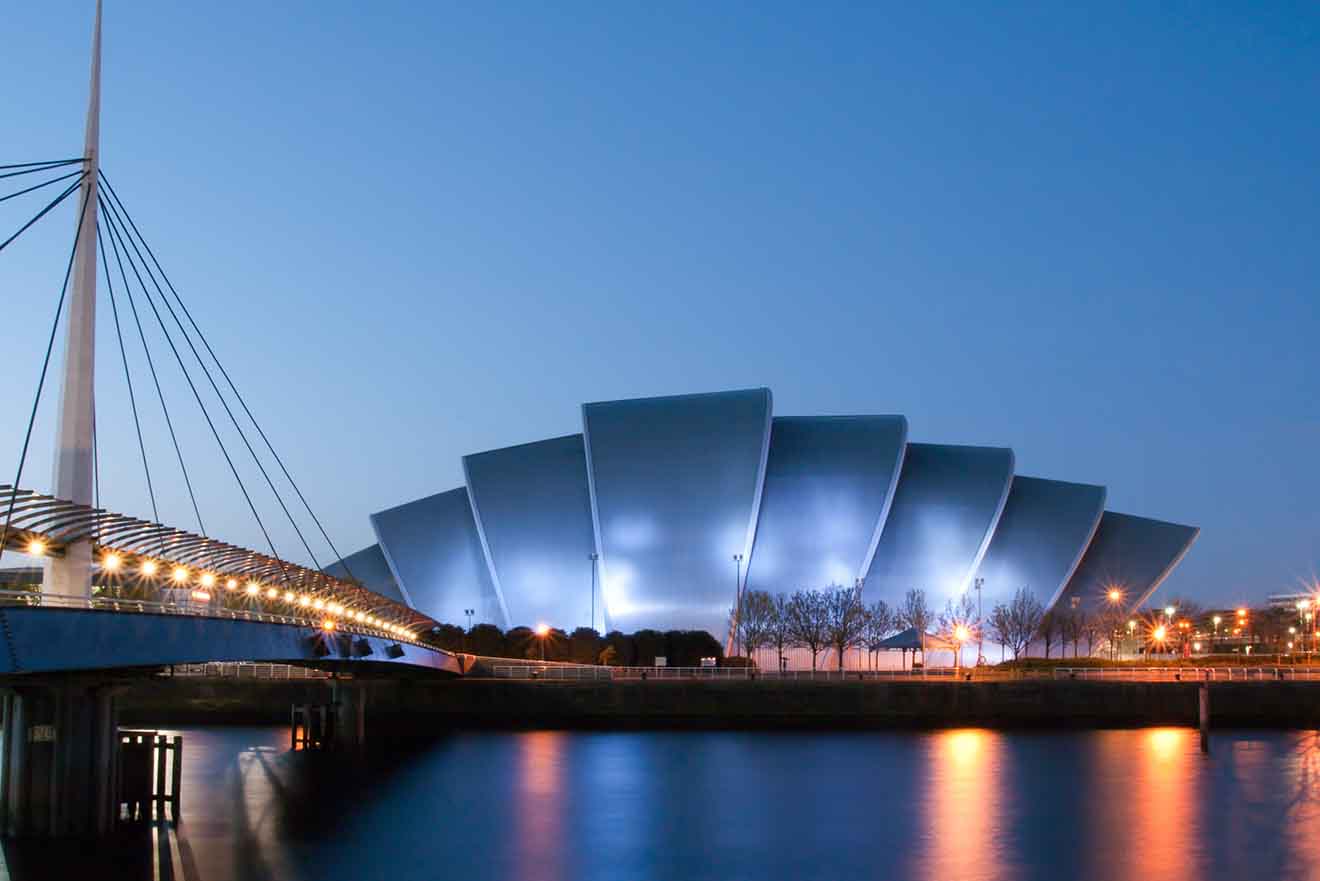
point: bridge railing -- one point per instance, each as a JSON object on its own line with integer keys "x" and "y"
{"x": 45, "y": 599}
{"x": 241, "y": 670}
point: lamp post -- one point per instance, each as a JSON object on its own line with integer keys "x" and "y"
{"x": 469, "y": 613}
{"x": 542, "y": 631}
{"x": 980, "y": 623}
{"x": 1216, "y": 620}
{"x": 737, "y": 600}
{"x": 861, "y": 609}
{"x": 1115, "y": 596}
{"x": 1132, "y": 629}
{"x": 593, "y": 556}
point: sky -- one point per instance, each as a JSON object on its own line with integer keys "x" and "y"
{"x": 416, "y": 231}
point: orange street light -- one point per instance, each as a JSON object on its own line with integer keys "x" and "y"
{"x": 1115, "y": 595}
{"x": 542, "y": 631}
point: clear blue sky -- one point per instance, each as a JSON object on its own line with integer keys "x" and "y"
{"x": 422, "y": 230}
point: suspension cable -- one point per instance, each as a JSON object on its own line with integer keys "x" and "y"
{"x": 44, "y": 211}
{"x": 233, "y": 388}
{"x": 128, "y": 377}
{"x": 115, "y": 232}
{"x": 53, "y": 180}
{"x": 225, "y": 404}
{"x": 155, "y": 378}
{"x": 45, "y": 365}
{"x": 41, "y": 166}
{"x": 49, "y": 163}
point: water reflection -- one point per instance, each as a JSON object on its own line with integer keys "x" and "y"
{"x": 963, "y": 837}
{"x": 961, "y": 805}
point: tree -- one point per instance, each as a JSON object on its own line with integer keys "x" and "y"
{"x": 1015, "y": 624}
{"x": 486, "y": 639}
{"x": 450, "y": 636}
{"x": 914, "y": 612}
{"x": 1070, "y": 625}
{"x": 584, "y": 645}
{"x": 779, "y": 632}
{"x": 756, "y": 621}
{"x": 1050, "y": 629}
{"x": 880, "y": 623}
{"x": 808, "y": 622}
{"x": 625, "y": 651}
{"x": 1092, "y": 626}
{"x": 845, "y": 619}
{"x": 649, "y": 645}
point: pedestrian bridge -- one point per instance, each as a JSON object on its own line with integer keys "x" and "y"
{"x": 46, "y": 633}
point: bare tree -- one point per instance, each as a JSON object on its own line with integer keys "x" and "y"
{"x": 1092, "y": 626}
{"x": 845, "y": 619}
{"x": 914, "y": 612}
{"x": 1070, "y": 627}
{"x": 808, "y": 621}
{"x": 1015, "y": 624}
{"x": 958, "y": 618}
{"x": 755, "y": 622}
{"x": 880, "y": 622}
{"x": 778, "y": 633}
{"x": 1051, "y": 629}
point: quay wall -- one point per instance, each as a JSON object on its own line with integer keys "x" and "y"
{"x": 424, "y": 707}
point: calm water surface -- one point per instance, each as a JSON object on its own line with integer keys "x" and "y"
{"x": 939, "y": 806}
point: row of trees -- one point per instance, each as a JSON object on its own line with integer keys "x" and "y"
{"x": 836, "y": 619}
{"x": 680, "y": 648}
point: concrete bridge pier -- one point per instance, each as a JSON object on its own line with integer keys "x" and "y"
{"x": 58, "y": 758}
{"x": 350, "y": 703}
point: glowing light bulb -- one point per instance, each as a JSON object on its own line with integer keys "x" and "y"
{"x": 231, "y": 584}
{"x": 149, "y": 568}
{"x": 110, "y": 562}
{"x": 180, "y": 575}
{"x": 36, "y": 547}
{"x": 327, "y": 624}
{"x": 289, "y": 597}
{"x": 208, "y": 580}
{"x": 304, "y": 600}
{"x": 318, "y": 604}
{"x": 253, "y": 588}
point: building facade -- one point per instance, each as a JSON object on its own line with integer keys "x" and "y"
{"x": 663, "y": 508}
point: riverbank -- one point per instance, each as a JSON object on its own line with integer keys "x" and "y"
{"x": 423, "y": 707}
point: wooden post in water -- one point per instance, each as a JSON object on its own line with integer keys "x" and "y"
{"x": 1204, "y": 702}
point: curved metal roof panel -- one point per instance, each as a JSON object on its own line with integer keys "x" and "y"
{"x": 1040, "y": 538}
{"x": 948, "y": 501}
{"x": 1132, "y": 554}
{"x": 829, "y": 482}
{"x": 675, "y": 486}
{"x": 435, "y": 554}
{"x": 533, "y": 510}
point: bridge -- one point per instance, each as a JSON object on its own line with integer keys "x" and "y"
{"x": 119, "y": 595}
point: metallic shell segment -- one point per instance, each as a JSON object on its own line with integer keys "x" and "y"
{"x": 675, "y": 487}
{"x": 435, "y": 554}
{"x": 948, "y": 501}
{"x": 829, "y": 483}
{"x": 532, "y": 505}
{"x": 1132, "y": 554}
{"x": 1040, "y": 538}
{"x": 369, "y": 567}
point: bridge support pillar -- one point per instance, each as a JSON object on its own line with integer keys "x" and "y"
{"x": 350, "y": 701}
{"x": 58, "y": 743}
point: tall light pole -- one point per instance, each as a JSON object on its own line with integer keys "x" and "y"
{"x": 980, "y": 624}
{"x": 859, "y": 583}
{"x": 737, "y": 599}
{"x": 593, "y": 556}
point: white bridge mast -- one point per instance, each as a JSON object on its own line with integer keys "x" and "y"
{"x": 74, "y": 441}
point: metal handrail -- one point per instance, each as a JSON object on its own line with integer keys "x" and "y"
{"x": 46, "y": 599}
{"x": 1190, "y": 674}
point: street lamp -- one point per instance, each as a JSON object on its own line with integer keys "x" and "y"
{"x": 737, "y": 599}
{"x": 859, "y": 583}
{"x": 593, "y": 556}
{"x": 1132, "y": 629}
{"x": 961, "y": 634}
{"x": 542, "y": 631}
{"x": 1115, "y": 596}
{"x": 980, "y": 623}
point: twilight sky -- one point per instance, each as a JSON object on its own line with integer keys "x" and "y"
{"x": 415, "y": 231}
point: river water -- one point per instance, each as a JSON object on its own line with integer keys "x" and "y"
{"x": 953, "y": 805}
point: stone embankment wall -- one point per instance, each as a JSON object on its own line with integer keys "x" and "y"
{"x": 423, "y": 707}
